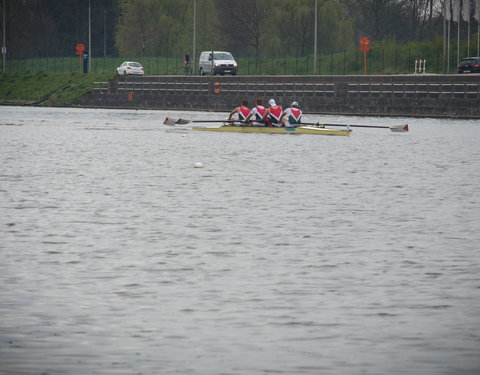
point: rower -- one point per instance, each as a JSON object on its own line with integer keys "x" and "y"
{"x": 292, "y": 116}
{"x": 273, "y": 114}
{"x": 242, "y": 113}
{"x": 257, "y": 112}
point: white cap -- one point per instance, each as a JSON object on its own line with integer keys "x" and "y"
{"x": 272, "y": 102}
{"x": 294, "y": 103}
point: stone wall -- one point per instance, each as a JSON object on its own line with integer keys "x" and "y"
{"x": 392, "y": 95}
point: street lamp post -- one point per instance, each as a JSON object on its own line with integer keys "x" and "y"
{"x": 194, "y": 32}
{"x": 4, "y": 47}
{"x": 315, "y": 40}
{"x": 89, "y": 38}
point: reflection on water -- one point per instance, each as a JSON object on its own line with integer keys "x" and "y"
{"x": 285, "y": 254}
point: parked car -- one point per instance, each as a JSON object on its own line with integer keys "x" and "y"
{"x": 217, "y": 62}
{"x": 469, "y": 65}
{"x": 130, "y": 67}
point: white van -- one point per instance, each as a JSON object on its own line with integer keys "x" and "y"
{"x": 217, "y": 62}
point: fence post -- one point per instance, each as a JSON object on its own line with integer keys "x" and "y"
{"x": 260, "y": 63}
{"x": 396, "y": 57}
{"x": 296, "y": 64}
{"x": 408, "y": 62}
{"x": 319, "y": 62}
{"x": 356, "y": 62}
{"x": 331, "y": 63}
{"x": 383, "y": 60}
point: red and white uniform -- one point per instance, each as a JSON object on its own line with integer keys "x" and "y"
{"x": 242, "y": 113}
{"x": 257, "y": 114}
{"x": 293, "y": 116}
{"x": 275, "y": 115}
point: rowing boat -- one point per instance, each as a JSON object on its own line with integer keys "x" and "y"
{"x": 305, "y": 128}
{"x": 276, "y": 130}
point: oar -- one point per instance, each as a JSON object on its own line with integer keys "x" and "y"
{"x": 393, "y": 128}
{"x": 181, "y": 121}
{"x": 175, "y": 121}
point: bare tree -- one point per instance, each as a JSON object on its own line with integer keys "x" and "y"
{"x": 243, "y": 21}
{"x": 378, "y": 18}
{"x": 419, "y": 12}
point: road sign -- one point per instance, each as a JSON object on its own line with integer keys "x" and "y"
{"x": 364, "y": 46}
{"x": 364, "y": 43}
{"x": 79, "y": 49}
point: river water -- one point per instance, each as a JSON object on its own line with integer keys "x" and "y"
{"x": 285, "y": 254}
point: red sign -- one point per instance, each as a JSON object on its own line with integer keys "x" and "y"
{"x": 364, "y": 43}
{"x": 364, "y": 46}
{"x": 79, "y": 49}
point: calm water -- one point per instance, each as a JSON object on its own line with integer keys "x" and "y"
{"x": 285, "y": 254}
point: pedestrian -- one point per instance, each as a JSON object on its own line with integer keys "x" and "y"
{"x": 186, "y": 64}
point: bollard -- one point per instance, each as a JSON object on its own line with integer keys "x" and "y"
{"x": 216, "y": 88}
{"x": 420, "y": 66}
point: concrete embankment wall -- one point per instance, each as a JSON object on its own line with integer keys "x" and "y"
{"x": 393, "y": 95}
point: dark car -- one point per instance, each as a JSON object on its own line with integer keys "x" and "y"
{"x": 469, "y": 65}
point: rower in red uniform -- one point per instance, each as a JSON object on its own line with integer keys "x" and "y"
{"x": 292, "y": 116}
{"x": 273, "y": 115}
{"x": 258, "y": 112}
{"x": 242, "y": 113}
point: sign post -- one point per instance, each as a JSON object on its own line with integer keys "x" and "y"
{"x": 79, "y": 49}
{"x": 364, "y": 46}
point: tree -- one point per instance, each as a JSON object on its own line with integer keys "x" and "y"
{"x": 378, "y": 18}
{"x": 139, "y": 27}
{"x": 246, "y": 22}
{"x": 418, "y": 11}
{"x": 53, "y": 28}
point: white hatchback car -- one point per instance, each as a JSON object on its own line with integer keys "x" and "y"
{"x": 130, "y": 67}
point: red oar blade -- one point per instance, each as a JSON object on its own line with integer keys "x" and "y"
{"x": 399, "y": 128}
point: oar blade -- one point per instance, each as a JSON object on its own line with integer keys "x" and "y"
{"x": 170, "y": 121}
{"x": 182, "y": 121}
{"x": 175, "y": 121}
{"x": 399, "y": 128}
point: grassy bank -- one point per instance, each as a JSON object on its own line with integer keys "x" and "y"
{"x": 57, "y": 89}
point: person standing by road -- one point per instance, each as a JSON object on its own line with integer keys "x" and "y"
{"x": 186, "y": 64}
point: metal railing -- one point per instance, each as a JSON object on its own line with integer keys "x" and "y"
{"x": 394, "y": 59}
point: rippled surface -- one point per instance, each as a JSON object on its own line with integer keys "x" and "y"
{"x": 286, "y": 254}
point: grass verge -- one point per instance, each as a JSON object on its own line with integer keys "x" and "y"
{"x": 50, "y": 89}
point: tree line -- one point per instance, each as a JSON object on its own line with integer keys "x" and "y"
{"x": 48, "y": 28}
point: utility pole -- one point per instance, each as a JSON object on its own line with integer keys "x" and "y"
{"x": 105, "y": 33}
{"x": 194, "y": 34}
{"x": 315, "y": 40}
{"x": 4, "y": 46}
{"x": 89, "y": 38}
